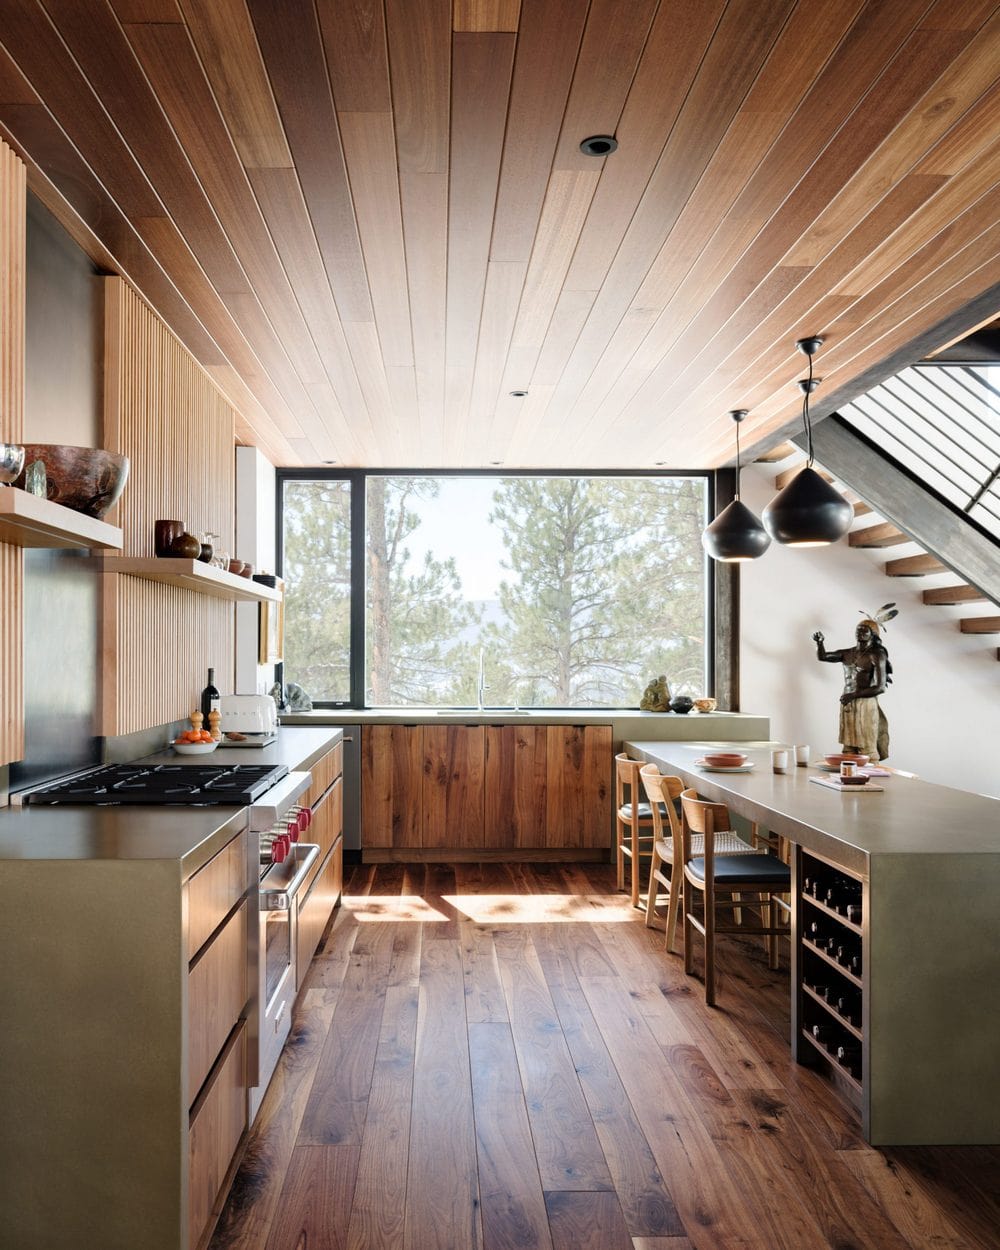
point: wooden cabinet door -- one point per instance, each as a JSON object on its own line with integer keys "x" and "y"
{"x": 578, "y": 796}
{"x": 516, "y": 786}
{"x": 454, "y": 770}
{"x": 392, "y": 773}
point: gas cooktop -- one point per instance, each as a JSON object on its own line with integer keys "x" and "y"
{"x": 159, "y": 784}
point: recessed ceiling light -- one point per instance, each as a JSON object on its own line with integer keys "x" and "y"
{"x": 659, "y": 463}
{"x": 518, "y": 394}
{"x": 599, "y": 145}
{"x": 496, "y": 462}
{"x": 329, "y": 462}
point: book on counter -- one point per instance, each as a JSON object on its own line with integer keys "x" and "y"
{"x": 834, "y": 783}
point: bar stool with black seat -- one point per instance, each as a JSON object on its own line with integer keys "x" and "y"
{"x": 665, "y": 866}
{"x": 633, "y": 823}
{"x": 717, "y": 878}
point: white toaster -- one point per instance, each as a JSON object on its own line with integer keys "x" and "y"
{"x": 248, "y": 714}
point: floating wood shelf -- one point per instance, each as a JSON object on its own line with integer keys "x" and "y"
{"x": 192, "y": 575}
{"x": 29, "y": 521}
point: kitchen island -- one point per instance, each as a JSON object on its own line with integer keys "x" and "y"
{"x": 129, "y": 989}
{"x": 924, "y": 863}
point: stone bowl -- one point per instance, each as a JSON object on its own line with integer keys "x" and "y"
{"x": 86, "y": 479}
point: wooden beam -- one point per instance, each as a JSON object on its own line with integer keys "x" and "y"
{"x": 883, "y": 535}
{"x": 954, "y": 594}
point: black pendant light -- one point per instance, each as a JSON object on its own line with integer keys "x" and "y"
{"x": 735, "y": 534}
{"x": 808, "y": 512}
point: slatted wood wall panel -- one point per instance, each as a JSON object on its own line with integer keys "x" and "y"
{"x": 12, "y": 261}
{"x": 164, "y": 413}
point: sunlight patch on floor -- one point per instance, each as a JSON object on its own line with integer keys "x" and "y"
{"x": 542, "y": 908}
{"x": 392, "y": 907}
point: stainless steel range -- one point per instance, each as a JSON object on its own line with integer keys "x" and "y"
{"x": 281, "y": 860}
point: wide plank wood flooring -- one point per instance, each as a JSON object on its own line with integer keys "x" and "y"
{"x": 501, "y": 1057}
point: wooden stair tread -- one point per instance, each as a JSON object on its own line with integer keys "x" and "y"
{"x": 775, "y": 454}
{"x": 861, "y": 508}
{"x": 914, "y": 566}
{"x": 954, "y": 594}
{"x": 885, "y": 534}
{"x": 981, "y": 625}
{"x": 786, "y": 475}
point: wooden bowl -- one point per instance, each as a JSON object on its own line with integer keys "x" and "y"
{"x": 835, "y": 760}
{"x": 86, "y": 479}
{"x": 725, "y": 759}
{"x": 237, "y": 567}
{"x": 859, "y": 779}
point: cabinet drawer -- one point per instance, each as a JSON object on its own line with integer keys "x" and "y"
{"x": 217, "y": 1124}
{"x": 316, "y": 908}
{"x": 324, "y": 772}
{"x": 217, "y": 993}
{"x": 213, "y": 891}
{"x": 326, "y": 827}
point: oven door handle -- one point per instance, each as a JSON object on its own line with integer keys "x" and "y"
{"x": 281, "y": 899}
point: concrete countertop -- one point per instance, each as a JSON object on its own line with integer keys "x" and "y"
{"x": 714, "y": 726}
{"x": 909, "y": 817}
{"x": 185, "y": 836}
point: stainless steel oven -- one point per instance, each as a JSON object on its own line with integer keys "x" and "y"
{"x": 280, "y": 823}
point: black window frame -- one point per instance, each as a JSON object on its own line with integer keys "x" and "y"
{"x": 358, "y": 478}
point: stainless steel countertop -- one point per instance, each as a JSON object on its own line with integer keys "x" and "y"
{"x": 187, "y": 836}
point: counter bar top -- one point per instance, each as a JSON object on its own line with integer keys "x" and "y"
{"x": 910, "y": 817}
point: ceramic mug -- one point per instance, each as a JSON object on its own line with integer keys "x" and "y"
{"x": 779, "y": 760}
{"x": 801, "y": 755}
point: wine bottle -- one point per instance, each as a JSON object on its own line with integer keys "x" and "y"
{"x": 210, "y": 697}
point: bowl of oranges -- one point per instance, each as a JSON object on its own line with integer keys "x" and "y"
{"x": 195, "y": 742}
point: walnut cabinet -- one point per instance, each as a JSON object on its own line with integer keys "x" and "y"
{"x": 473, "y": 791}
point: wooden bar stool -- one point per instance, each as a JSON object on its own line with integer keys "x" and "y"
{"x": 717, "y": 878}
{"x": 665, "y": 866}
{"x": 633, "y": 823}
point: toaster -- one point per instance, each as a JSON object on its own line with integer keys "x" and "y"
{"x": 248, "y": 714}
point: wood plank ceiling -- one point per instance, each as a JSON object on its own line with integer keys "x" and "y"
{"x": 371, "y": 221}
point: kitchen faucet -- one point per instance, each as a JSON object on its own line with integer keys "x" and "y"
{"x": 481, "y": 685}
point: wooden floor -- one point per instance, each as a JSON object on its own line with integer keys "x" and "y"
{"x": 501, "y": 1056}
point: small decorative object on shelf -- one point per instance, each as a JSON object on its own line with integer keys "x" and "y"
{"x": 36, "y": 480}
{"x": 682, "y": 704}
{"x": 165, "y": 534}
{"x": 186, "y": 546}
{"x": 11, "y": 462}
{"x": 205, "y": 554}
{"x": 705, "y": 704}
{"x": 656, "y": 696}
{"x": 85, "y": 479}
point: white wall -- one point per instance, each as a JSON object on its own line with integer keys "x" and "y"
{"x": 255, "y": 521}
{"x": 943, "y": 707}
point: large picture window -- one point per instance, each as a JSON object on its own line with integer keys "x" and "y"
{"x": 556, "y": 591}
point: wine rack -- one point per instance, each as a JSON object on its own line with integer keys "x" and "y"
{"x": 831, "y": 968}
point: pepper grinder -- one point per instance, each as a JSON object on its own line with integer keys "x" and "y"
{"x": 196, "y": 719}
{"x": 213, "y": 724}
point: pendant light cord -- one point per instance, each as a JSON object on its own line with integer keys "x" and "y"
{"x": 805, "y": 416}
{"x": 737, "y": 460}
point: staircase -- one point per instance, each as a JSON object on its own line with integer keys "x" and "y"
{"x": 874, "y": 533}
